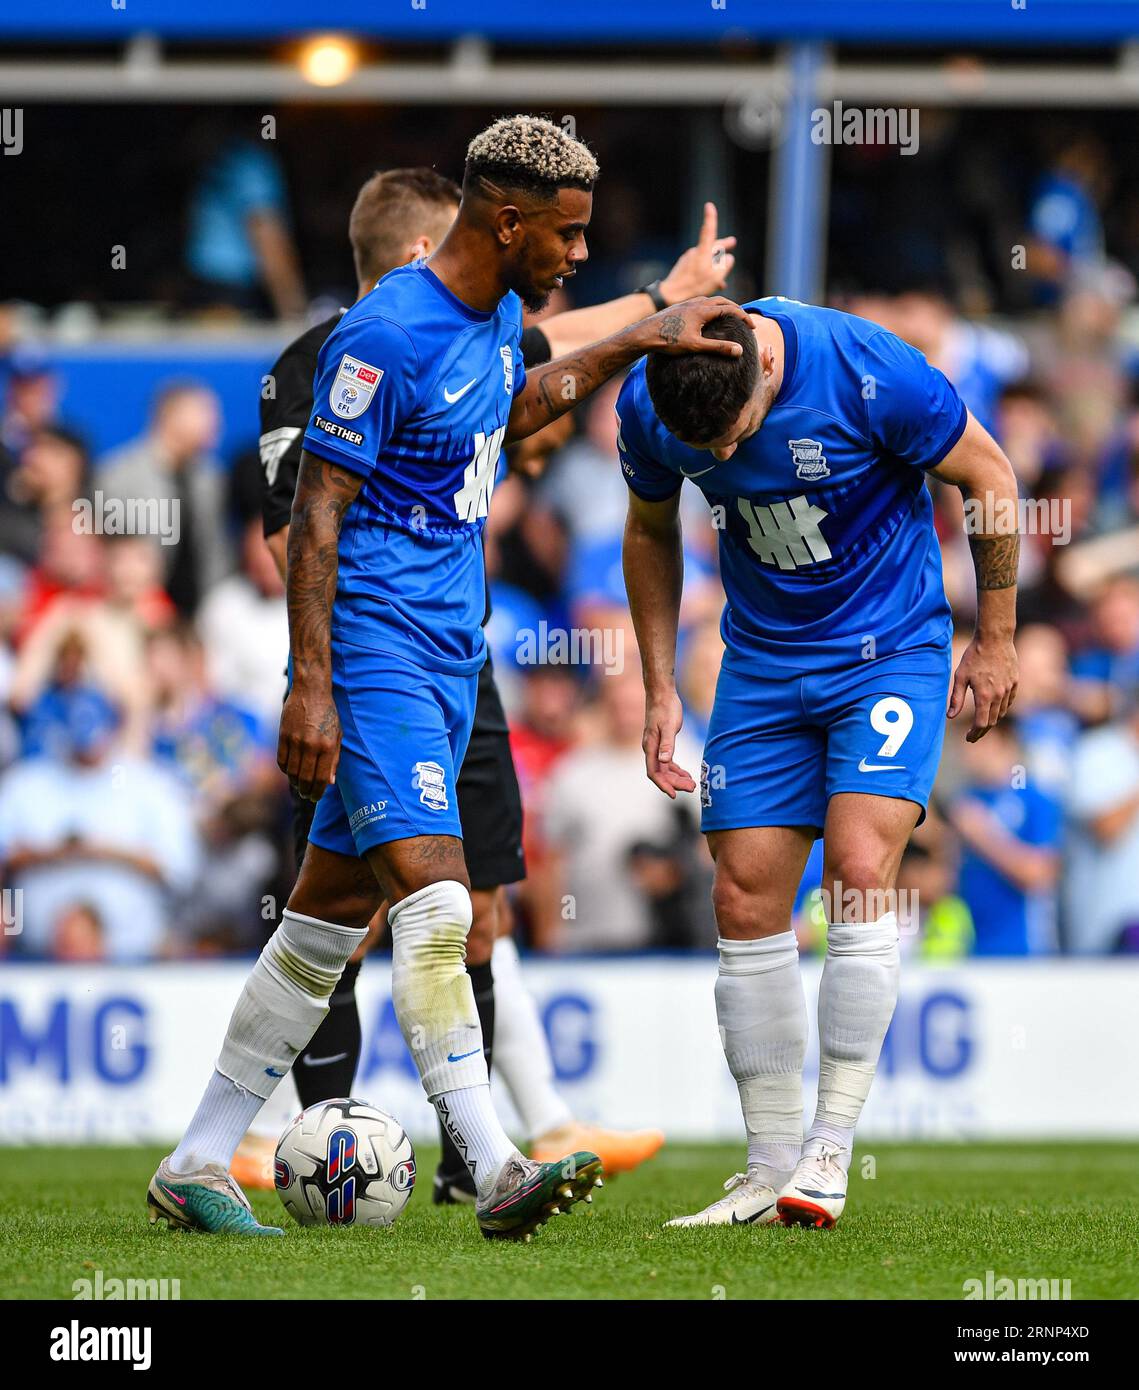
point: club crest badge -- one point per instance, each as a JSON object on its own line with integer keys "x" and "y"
{"x": 809, "y": 460}
{"x": 353, "y": 388}
{"x": 430, "y": 781}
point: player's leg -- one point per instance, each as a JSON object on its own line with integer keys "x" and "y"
{"x": 425, "y": 879}
{"x": 325, "y": 1068}
{"x": 762, "y": 794}
{"x": 490, "y": 812}
{"x": 453, "y": 1182}
{"x": 864, "y": 839}
{"x": 760, "y": 1010}
{"x": 279, "y": 1009}
{"x": 405, "y": 732}
{"x": 884, "y": 737}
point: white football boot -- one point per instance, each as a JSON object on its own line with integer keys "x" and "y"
{"x": 749, "y": 1202}
{"x": 816, "y": 1192}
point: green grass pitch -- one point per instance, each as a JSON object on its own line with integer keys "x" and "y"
{"x": 931, "y": 1217}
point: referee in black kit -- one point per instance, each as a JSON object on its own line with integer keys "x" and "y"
{"x": 399, "y": 216}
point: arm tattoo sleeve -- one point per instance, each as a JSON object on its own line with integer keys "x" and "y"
{"x": 324, "y": 493}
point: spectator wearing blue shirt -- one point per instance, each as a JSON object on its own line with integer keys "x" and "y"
{"x": 1064, "y": 223}
{"x": 1010, "y": 861}
{"x": 91, "y": 828}
{"x": 1045, "y": 707}
{"x": 240, "y": 249}
{"x": 1107, "y": 669}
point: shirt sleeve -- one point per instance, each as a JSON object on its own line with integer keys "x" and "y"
{"x": 366, "y": 387}
{"x": 913, "y": 411}
{"x": 643, "y": 474}
{"x": 284, "y": 416}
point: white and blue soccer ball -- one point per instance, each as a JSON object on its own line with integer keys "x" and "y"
{"x": 344, "y": 1163}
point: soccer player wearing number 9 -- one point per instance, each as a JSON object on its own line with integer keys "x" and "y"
{"x": 812, "y": 450}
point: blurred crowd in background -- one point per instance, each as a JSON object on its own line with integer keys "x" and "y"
{"x": 142, "y": 814}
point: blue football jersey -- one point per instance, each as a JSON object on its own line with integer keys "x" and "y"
{"x": 827, "y": 547}
{"x": 413, "y": 391}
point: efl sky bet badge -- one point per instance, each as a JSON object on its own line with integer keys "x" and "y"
{"x": 807, "y": 455}
{"x": 354, "y": 387}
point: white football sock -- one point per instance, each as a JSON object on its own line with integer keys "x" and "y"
{"x": 225, "y": 1109}
{"x": 435, "y": 1005}
{"x": 469, "y": 1118}
{"x": 763, "y": 1027}
{"x": 277, "y": 1012}
{"x": 857, "y": 995}
{"x": 277, "y": 1113}
{"x": 521, "y": 1052}
{"x": 431, "y": 990}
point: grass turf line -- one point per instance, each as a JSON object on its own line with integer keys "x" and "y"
{"x": 931, "y": 1217}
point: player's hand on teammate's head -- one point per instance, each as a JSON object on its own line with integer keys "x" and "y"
{"x": 308, "y": 749}
{"x": 680, "y": 329}
{"x": 663, "y": 719}
{"x": 989, "y": 670}
{"x": 703, "y": 268}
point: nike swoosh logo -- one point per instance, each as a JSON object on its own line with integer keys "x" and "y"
{"x": 452, "y": 1058}
{"x": 748, "y": 1220}
{"x": 696, "y": 475}
{"x": 864, "y": 766}
{"x": 180, "y": 1200}
{"x": 272, "y": 1071}
{"x": 451, "y": 397}
{"x": 323, "y": 1061}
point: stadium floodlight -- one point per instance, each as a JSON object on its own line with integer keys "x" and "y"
{"x": 328, "y": 60}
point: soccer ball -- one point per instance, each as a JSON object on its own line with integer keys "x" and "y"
{"x": 344, "y": 1163}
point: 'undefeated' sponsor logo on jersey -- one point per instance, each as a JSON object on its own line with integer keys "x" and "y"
{"x": 785, "y": 533}
{"x": 340, "y": 431}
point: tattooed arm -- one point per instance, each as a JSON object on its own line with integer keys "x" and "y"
{"x": 988, "y": 485}
{"x": 309, "y": 746}
{"x": 558, "y": 386}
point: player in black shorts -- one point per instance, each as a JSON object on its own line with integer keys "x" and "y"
{"x": 398, "y": 216}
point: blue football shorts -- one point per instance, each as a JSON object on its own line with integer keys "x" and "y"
{"x": 780, "y": 746}
{"x": 404, "y": 731}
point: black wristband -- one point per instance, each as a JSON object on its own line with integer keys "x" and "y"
{"x": 653, "y": 292}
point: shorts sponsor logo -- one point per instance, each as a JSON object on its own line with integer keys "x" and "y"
{"x": 809, "y": 459}
{"x": 364, "y": 815}
{"x": 430, "y": 781}
{"x": 353, "y": 387}
{"x": 705, "y": 785}
{"x": 331, "y": 427}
